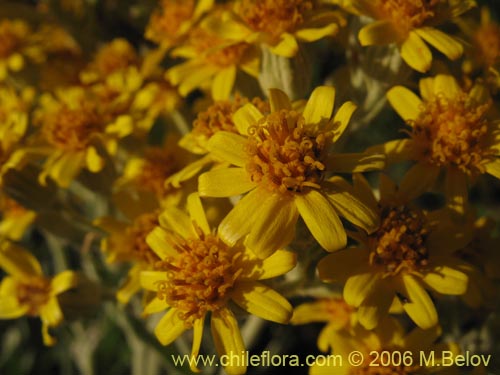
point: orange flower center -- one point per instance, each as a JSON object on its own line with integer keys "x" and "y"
{"x": 117, "y": 55}
{"x": 72, "y": 129}
{"x": 399, "y": 243}
{"x": 487, "y": 42}
{"x": 159, "y": 164}
{"x": 282, "y": 154}
{"x": 219, "y": 116}
{"x": 10, "y": 38}
{"x": 139, "y": 230}
{"x": 453, "y": 132}
{"x": 406, "y": 14}
{"x": 200, "y": 278}
{"x": 215, "y": 50}
{"x": 166, "y": 21}
{"x": 34, "y": 293}
{"x": 274, "y": 17}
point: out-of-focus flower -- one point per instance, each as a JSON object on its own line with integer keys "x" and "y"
{"x": 411, "y": 251}
{"x": 212, "y": 60}
{"x": 14, "y": 35}
{"x": 14, "y": 218}
{"x": 450, "y": 130}
{"x": 199, "y": 273}
{"x": 26, "y": 291}
{"x": 283, "y": 160}
{"x": 388, "y": 338}
{"x": 408, "y": 24}
{"x": 280, "y": 25}
{"x": 217, "y": 117}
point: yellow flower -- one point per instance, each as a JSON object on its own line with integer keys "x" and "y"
{"x": 172, "y": 20}
{"x": 411, "y": 251}
{"x": 405, "y": 351}
{"x": 14, "y": 218}
{"x": 282, "y": 159}
{"x": 217, "y": 117}
{"x": 212, "y": 60}
{"x": 14, "y": 35}
{"x": 26, "y": 291}
{"x": 334, "y": 311}
{"x": 200, "y": 273}
{"x": 408, "y": 24}
{"x": 450, "y": 130}
{"x": 76, "y": 132}
{"x": 280, "y": 25}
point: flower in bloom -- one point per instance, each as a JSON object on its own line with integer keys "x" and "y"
{"x": 217, "y": 117}
{"x": 405, "y": 348}
{"x": 411, "y": 252}
{"x": 14, "y": 35}
{"x": 450, "y": 130}
{"x": 26, "y": 291}
{"x": 14, "y": 218}
{"x": 200, "y": 274}
{"x": 279, "y": 25}
{"x": 282, "y": 160}
{"x": 334, "y": 311}
{"x": 408, "y": 23}
{"x": 212, "y": 60}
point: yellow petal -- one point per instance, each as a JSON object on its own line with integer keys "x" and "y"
{"x": 286, "y": 47}
{"x": 66, "y": 168}
{"x": 241, "y": 218}
{"x": 158, "y": 241}
{"x": 375, "y": 306}
{"x": 358, "y": 287}
{"x": 446, "y": 280}
{"x": 322, "y": 220}
{"x": 175, "y": 219}
{"x": 444, "y": 43}
{"x": 225, "y": 182}
{"x": 279, "y": 100}
{"x": 197, "y": 336}
{"x": 342, "y": 118}
{"x": 154, "y": 306}
{"x": 426, "y": 88}
{"x": 395, "y": 151}
{"x": 446, "y": 85}
{"x": 150, "y": 280}
{"x": 341, "y": 265}
{"x": 48, "y": 340}
{"x": 417, "y": 180}
{"x": 493, "y": 168}
{"x": 10, "y": 308}
{"x": 227, "y": 338}
{"x": 197, "y": 213}
{"x": 313, "y": 34}
{"x": 407, "y": 104}
{"x": 279, "y": 263}
{"x": 418, "y": 305}
{"x": 355, "y": 162}
{"x": 380, "y": 32}
{"x": 131, "y": 285}
{"x": 415, "y": 53}
{"x": 260, "y": 300}
{"x": 18, "y": 262}
{"x": 319, "y": 107}
{"x": 94, "y": 161}
{"x": 228, "y": 147}
{"x": 51, "y": 313}
{"x": 322, "y": 310}
{"x": 223, "y": 83}
{"x": 275, "y": 227}
{"x": 169, "y": 327}
{"x": 246, "y": 116}
{"x": 64, "y": 281}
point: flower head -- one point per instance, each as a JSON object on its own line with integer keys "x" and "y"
{"x": 200, "y": 274}
{"x": 283, "y": 160}
{"x": 26, "y": 291}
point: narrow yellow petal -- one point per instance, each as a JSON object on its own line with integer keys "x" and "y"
{"x": 426, "y": 88}
{"x": 66, "y": 168}
{"x": 10, "y": 308}
{"x": 322, "y": 220}
{"x": 227, "y": 338}
{"x": 493, "y": 168}
{"x": 313, "y": 34}
{"x": 355, "y": 162}
{"x": 229, "y": 147}
{"x": 154, "y": 306}
{"x": 245, "y": 117}
{"x": 279, "y": 263}
{"x": 279, "y": 100}
{"x": 378, "y": 33}
{"x": 276, "y": 226}
{"x": 94, "y": 161}
{"x": 415, "y": 53}
{"x": 375, "y": 306}
{"x": 258, "y": 299}
{"x": 150, "y": 279}
{"x": 51, "y": 313}
{"x": 446, "y": 85}
{"x": 18, "y": 262}
{"x": 175, "y": 219}
{"x": 444, "y": 43}
{"x": 223, "y": 83}
{"x": 417, "y": 180}
{"x": 342, "y": 118}
{"x": 407, "y": 104}
{"x": 418, "y": 305}
{"x": 286, "y": 47}
{"x": 225, "y": 182}
{"x": 169, "y": 327}
{"x": 197, "y": 336}
{"x": 318, "y": 311}
{"x": 158, "y": 241}
{"x": 131, "y": 285}
{"x": 319, "y": 107}
{"x": 197, "y": 213}
{"x": 358, "y": 287}
{"x": 395, "y": 151}
{"x": 446, "y": 280}
{"x": 64, "y": 281}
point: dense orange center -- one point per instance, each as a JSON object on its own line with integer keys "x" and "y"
{"x": 166, "y": 21}
{"x": 9, "y": 39}
{"x": 159, "y": 164}
{"x": 139, "y": 230}
{"x": 33, "y": 293}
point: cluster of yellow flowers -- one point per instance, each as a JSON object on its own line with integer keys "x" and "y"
{"x": 210, "y": 157}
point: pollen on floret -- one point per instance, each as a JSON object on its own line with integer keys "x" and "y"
{"x": 34, "y": 293}
{"x": 406, "y": 14}
{"x": 166, "y": 21}
{"x": 487, "y": 43}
